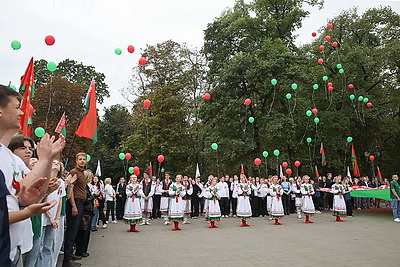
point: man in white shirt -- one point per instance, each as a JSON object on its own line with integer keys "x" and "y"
{"x": 223, "y": 190}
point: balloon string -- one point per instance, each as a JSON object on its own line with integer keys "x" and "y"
{"x": 245, "y": 121}
{"x": 272, "y": 103}
{"x": 345, "y": 158}
{"x": 309, "y": 155}
{"x": 50, "y": 98}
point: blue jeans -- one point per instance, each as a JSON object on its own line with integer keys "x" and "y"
{"x": 46, "y": 254}
{"x": 396, "y": 208}
{"x": 95, "y": 217}
{"x": 33, "y": 255}
{"x": 58, "y": 240}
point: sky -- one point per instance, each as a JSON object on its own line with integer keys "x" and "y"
{"x": 88, "y": 31}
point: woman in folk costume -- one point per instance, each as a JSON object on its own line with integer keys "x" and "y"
{"x": 299, "y": 197}
{"x": 187, "y": 201}
{"x": 176, "y": 207}
{"x": 267, "y": 185}
{"x": 307, "y": 190}
{"x": 133, "y": 212}
{"x": 244, "y": 208}
{"x": 165, "y": 199}
{"x": 339, "y": 205}
{"x": 213, "y": 212}
{"x": 276, "y": 192}
{"x": 210, "y": 179}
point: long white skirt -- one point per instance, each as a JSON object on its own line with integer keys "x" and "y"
{"x": 133, "y": 212}
{"x": 269, "y": 204}
{"x": 187, "y": 206}
{"x": 243, "y": 210}
{"x": 176, "y": 210}
{"x": 307, "y": 207}
{"x": 298, "y": 201}
{"x": 147, "y": 206}
{"x": 277, "y": 207}
{"x": 339, "y": 206}
{"x": 164, "y": 203}
{"x": 213, "y": 212}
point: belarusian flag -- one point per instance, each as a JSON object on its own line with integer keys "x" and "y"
{"x": 27, "y": 88}
{"x": 242, "y": 169}
{"x": 62, "y": 126}
{"x": 322, "y": 152}
{"x": 316, "y": 171}
{"x": 151, "y": 171}
{"x": 356, "y": 170}
{"x": 379, "y": 174}
{"x": 88, "y": 126}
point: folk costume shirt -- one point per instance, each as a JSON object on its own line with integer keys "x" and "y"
{"x": 176, "y": 208}
{"x": 307, "y": 207}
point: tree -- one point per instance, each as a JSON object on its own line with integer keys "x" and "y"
{"x": 73, "y": 72}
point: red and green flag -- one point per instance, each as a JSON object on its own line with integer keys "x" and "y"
{"x": 150, "y": 171}
{"x": 379, "y": 174}
{"x": 322, "y": 152}
{"x": 62, "y": 126}
{"x": 242, "y": 169}
{"x": 27, "y": 89}
{"x": 356, "y": 170}
{"x": 316, "y": 171}
{"x": 88, "y": 126}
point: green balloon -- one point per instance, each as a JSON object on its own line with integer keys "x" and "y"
{"x": 51, "y": 66}
{"x": 339, "y": 66}
{"x": 130, "y": 170}
{"x": 265, "y": 154}
{"x": 39, "y": 132}
{"x": 274, "y": 81}
{"x": 365, "y": 99}
{"x": 288, "y": 96}
{"x": 277, "y": 152}
{"x": 15, "y": 45}
{"x": 315, "y": 86}
{"x": 88, "y": 157}
{"x": 214, "y": 146}
{"x": 352, "y": 97}
{"x": 294, "y": 86}
{"x": 360, "y": 98}
{"x": 251, "y": 119}
{"x": 13, "y": 87}
{"x": 121, "y": 156}
{"x": 325, "y": 78}
{"x": 118, "y": 51}
{"x": 349, "y": 139}
{"x": 316, "y": 120}
{"x": 308, "y": 113}
{"x": 309, "y": 139}
{"x": 341, "y": 71}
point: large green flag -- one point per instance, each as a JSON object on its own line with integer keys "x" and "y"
{"x": 376, "y": 193}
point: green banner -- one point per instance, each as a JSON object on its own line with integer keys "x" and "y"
{"x": 373, "y": 193}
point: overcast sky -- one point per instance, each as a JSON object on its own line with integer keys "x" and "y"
{"x": 88, "y": 31}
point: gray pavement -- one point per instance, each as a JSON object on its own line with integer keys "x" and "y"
{"x": 364, "y": 240}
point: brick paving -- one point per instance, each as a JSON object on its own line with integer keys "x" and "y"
{"x": 368, "y": 239}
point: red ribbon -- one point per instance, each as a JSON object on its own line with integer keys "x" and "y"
{"x": 214, "y": 199}
{"x": 133, "y": 197}
{"x": 340, "y": 195}
{"x": 244, "y": 194}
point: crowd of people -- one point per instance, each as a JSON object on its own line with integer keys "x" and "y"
{"x": 46, "y": 211}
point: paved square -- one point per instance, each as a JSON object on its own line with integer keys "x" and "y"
{"x": 364, "y": 240}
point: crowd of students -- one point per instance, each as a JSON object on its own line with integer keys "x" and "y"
{"x": 43, "y": 208}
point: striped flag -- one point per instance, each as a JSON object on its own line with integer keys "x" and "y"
{"x": 62, "y": 126}
{"x": 323, "y": 158}
{"x": 242, "y": 169}
{"x": 379, "y": 174}
{"x": 151, "y": 171}
{"x": 356, "y": 170}
{"x": 27, "y": 87}
{"x": 316, "y": 171}
{"x": 88, "y": 126}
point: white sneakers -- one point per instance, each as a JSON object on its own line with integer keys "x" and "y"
{"x": 114, "y": 221}
{"x": 104, "y": 226}
{"x": 167, "y": 223}
{"x": 397, "y": 220}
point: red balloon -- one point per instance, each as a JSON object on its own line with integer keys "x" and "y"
{"x": 288, "y": 171}
{"x": 207, "y": 96}
{"x": 330, "y": 84}
{"x": 371, "y": 158}
{"x": 320, "y": 61}
{"x": 147, "y": 103}
{"x": 257, "y": 161}
{"x": 335, "y": 44}
{"x": 328, "y": 38}
{"x": 142, "y": 61}
{"x": 330, "y": 26}
{"x": 350, "y": 86}
{"x": 49, "y": 40}
{"x": 369, "y": 104}
{"x": 321, "y": 47}
{"x": 297, "y": 163}
{"x": 128, "y": 156}
{"x": 285, "y": 164}
{"x": 313, "y": 34}
{"x": 314, "y": 111}
{"x": 136, "y": 170}
{"x": 330, "y": 88}
{"x": 160, "y": 158}
{"x": 247, "y": 102}
{"x": 131, "y": 49}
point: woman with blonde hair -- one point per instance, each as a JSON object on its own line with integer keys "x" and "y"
{"x": 110, "y": 199}
{"x": 339, "y": 206}
{"x": 244, "y": 207}
{"x": 133, "y": 212}
{"x": 213, "y": 212}
{"x": 176, "y": 209}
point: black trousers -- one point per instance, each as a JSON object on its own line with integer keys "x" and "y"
{"x": 156, "y": 213}
{"x": 262, "y": 204}
{"x": 234, "y": 205}
{"x": 83, "y": 237}
{"x": 349, "y": 207}
{"x": 254, "y": 207}
{"x": 292, "y": 205}
{"x": 102, "y": 217}
{"x": 317, "y": 203}
{"x": 195, "y": 206}
{"x": 286, "y": 203}
{"x": 224, "y": 205}
{"x": 120, "y": 207}
{"x": 110, "y": 207}
{"x": 202, "y": 201}
{"x": 73, "y": 223}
